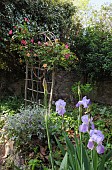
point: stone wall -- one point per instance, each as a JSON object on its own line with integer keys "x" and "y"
{"x": 11, "y": 87}
{"x": 64, "y": 80}
{"x": 102, "y": 91}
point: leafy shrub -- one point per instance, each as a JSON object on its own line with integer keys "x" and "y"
{"x": 50, "y": 16}
{"x": 48, "y": 49}
{"x": 102, "y": 116}
{"x": 10, "y": 105}
{"x": 22, "y": 126}
{"x": 57, "y": 123}
{"x": 27, "y": 123}
{"x": 85, "y": 89}
{"x": 93, "y": 46}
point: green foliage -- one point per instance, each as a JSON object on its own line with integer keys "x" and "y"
{"x": 81, "y": 4}
{"x": 10, "y": 105}
{"x": 50, "y": 16}
{"x": 57, "y": 123}
{"x": 85, "y": 89}
{"x": 23, "y": 125}
{"x": 29, "y": 122}
{"x": 93, "y": 45}
{"x": 34, "y": 163}
{"x": 102, "y": 116}
{"x": 48, "y": 50}
{"x": 91, "y": 42}
{"x": 75, "y": 154}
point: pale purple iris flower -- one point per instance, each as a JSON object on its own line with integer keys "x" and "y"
{"x": 96, "y": 136}
{"x": 92, "y": 124}
{"x": 85, "y": 119}
{"x": 60, "y": 107}
{"x": 84, "y": 127}
{"x": 90, "y": 144}
{"x": 100, "y": 149}
{"x": 85, "y": 102}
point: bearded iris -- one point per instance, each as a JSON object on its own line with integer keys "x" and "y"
{"x": 60, "y": 107}
{"x": 84, "y": 127}
{"x": 96, "y": 136}
{"x": 100, "y": 149}
{"x": 85, "y": 102}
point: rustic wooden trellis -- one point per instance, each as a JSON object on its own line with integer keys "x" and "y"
{"x": 34, "y": 92}
{"x": 35, "y": 73}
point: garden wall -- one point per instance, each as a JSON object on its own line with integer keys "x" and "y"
{"x": 11, "y": 85}
{"x": 102, "y": 93}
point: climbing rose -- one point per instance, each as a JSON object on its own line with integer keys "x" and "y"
{"x": 10, "y": 32}
{"x": 32, "y": 40}
{"x": 26, "y": 19}
{"x": 46, "y": 43}
{"x": 39, "y": 43}
{"x": 67, "y": 56}
{"x": 66, "y": 46}
{"x": 85, "y": 102}
{"x": 23, "y": 42}
{"x": 60, "y": 106}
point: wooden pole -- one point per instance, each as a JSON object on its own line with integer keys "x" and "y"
{"x": 32, "y": 97}
{"x": 51, "y": 93}
{"x": 26, "y": 83}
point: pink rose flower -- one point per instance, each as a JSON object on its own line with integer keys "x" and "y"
{"x": 67, "y": 56}
{"x": 39, "y": 43}
{"x": 46, "y": 43}
{"x": 26, "y": 19}
{"x": 66, "y": 46}
{"x": 10, "y": 32}
{"x": 23, "y": 42}
{"x": 32, "y": 40}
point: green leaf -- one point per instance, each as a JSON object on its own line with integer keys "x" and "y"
{"x": 16, "y": 168}
{"x": 60, "y": 146}
{"x": 64, "y": 163}
{"x": 78, "y": 151}
{"x": 85, "y": 158}
{"x": 95, "y": 160}
{"x": 71, "y": 150}
{"x": 104, "y": 159}
{"x": 69, "y": 144}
